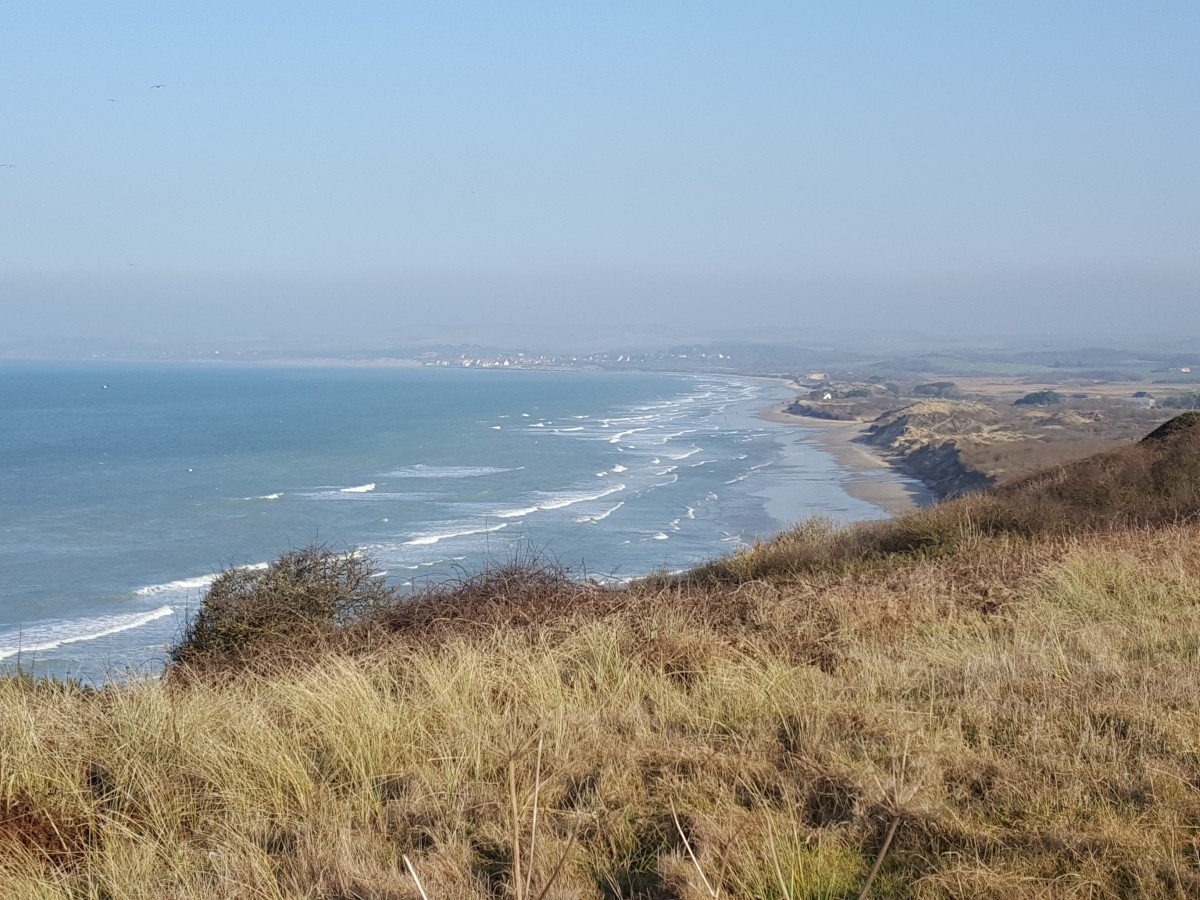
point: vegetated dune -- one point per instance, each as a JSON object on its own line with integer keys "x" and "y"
{"x": 993, "y": 697}
{"x": 958, "y": 446}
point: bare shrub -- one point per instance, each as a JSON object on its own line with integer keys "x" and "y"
{"x": 302, "y": 594}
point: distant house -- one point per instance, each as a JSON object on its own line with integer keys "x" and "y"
{"x": 1143, "y": 399}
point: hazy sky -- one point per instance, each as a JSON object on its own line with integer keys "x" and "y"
{"x": 330, "y": 170}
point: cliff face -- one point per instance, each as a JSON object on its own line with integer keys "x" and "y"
{"x": 921, "y": 439}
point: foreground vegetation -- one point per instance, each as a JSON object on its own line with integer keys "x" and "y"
{"x": 995, "y": 697}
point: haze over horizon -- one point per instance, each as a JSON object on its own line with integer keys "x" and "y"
{"x": 297, "y": 173}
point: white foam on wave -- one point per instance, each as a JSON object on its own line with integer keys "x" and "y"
{"x": 420, "y": 470}
{"x": 565, "y": 430}
{"x": 564, "y": 500}
{"x": 359, "y": 489}
{"x": 602, "y": 516}
{"x": 662, "y": 537}
{"x": 269, "y": 497}
{"x": 691, "y": 512}
{"x": 424, "y": 540}
{"x": 621, "y": 435}
{"x": 618, "y": 468}
{"x": 182, "y": 586}
{"x": 52, "y": 635}
{"x": 665, "y": 470}
{"x": 515, "y": 513}
{"x": 667, "y": 438}
{"x": 188, "y": 585}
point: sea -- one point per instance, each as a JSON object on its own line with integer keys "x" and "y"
{"x": 125, "y": 488}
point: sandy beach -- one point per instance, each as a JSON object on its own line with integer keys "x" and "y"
{"x": 868, "y": 475}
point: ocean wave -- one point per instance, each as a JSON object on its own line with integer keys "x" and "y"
{"x": 620, "y": 436}
{"x": 423, "y": 540}
{"x": 515, "y": 513}
{"x": 182, "y": 586}
{"x": 420, "y": 470}
{"x": 601, "y": 517}
{"x": 692, "y": 452}
{"x": 618, "y": 468}
{"x": 564, "y": 500}
{"x": 52, "y": 635}
{"x": 360, "y": 489}
{"x": 188, "y": 585}
{"x": 667, "y": 438}
{"x": 662, "y": 537}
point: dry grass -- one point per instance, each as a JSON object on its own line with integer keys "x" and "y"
{"x": 1022, "y": 716}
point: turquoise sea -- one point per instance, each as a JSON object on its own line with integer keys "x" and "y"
{"x": 124, "y": 488}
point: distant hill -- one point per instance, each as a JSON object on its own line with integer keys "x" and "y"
{"x": 1154, "y": 481}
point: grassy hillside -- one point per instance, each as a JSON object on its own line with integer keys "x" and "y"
{"x": 995, "y": 697}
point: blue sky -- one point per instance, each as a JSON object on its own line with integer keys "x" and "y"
{"x": 312, "y": 170}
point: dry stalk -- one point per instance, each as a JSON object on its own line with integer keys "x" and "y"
{"x": 687, "y": 846}
{"x": 787, "y": 894}
{"x": 516, "y": 830}
{"x": 413, "y": 872}
{"x": 887, "y": 843}
{"x": 537, "y": 784}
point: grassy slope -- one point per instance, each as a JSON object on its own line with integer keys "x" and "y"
{"x": 1006, "y": 683}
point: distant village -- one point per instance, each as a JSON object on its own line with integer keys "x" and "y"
{"x": 569, "y": 361}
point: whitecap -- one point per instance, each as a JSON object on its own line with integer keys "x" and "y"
{"x": 602, "y": 516}
{"x": 423, "y": 540}
{"x": 620, "y": 436}
{"x": 515, "y": 513}
{"x": 52, "y": 635}
{"x": 360, "y": 489}
{"x": 420, "y": 470}
{"x": 185, "y": 586}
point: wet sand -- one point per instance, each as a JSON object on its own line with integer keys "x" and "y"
{"x": 868, "y": 475}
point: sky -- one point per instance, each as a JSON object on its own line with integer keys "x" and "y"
{"x": 316, "y": 171}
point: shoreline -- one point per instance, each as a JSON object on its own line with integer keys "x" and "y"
{"x": 867, "y": 475}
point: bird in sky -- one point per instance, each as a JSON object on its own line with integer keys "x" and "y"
{"x": 110, "y": 100}
{"x": 7, "y": 165}
{"x": 157, "y": 85}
